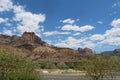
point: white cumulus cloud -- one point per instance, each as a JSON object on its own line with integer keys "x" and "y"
{"x": 70, "y": 27}
{"x": 97, "y": 37}
{"x": 77, "y": 28}
{"x": 86, "y": 28}
{"x": 5, "y": 5}
{"x": 110, "y": 37}
{"x": 29, "y": 21}
{"x": 25, "y": 20}
{"x": 69, "y": 42}
{"x": 114, "y": 41}
{"x": 115, "y": 23}
{"x": 112, "y": 32}
{"x": 73, "y": 42}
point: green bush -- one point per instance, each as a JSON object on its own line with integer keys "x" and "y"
{"x": 16, "y": 67}
{"x": 62, "y": 65}
{"x": 48, "y": 65}
{"x": 24, "y": 76}
{"x": 99, "y": 67}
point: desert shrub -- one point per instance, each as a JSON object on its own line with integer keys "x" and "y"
{"x": 62, "y": 65}
{"x": 24, "y": 76}
{"x": 100, "y": 67}
{"x": 48, "y": 65}
{"x": 16, "y": 67}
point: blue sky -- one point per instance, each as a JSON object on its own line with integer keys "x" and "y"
{"x": 65, "y": 23}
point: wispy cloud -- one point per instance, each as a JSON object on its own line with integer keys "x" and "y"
{"x": 99, "y": 22}
{"x": 8, "y": 32}
{"x": 117, "y": 4}
{"x": 76, "y": 34}
{"x": 5, "y": 21}
{"x": 56, "y": 33}
{"x": 68, "y": 21}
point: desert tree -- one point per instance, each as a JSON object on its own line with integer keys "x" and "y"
{"x": 100, "y": 68}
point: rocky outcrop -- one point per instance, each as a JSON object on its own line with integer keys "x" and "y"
{"x": 28, "y": 40}
{"x": 67, "y": 52}
{"x": 85, "y": 51}
{"x": 4, "y": 39}
{"x": 44, "y": 51}
{"x": 32, "y": 39}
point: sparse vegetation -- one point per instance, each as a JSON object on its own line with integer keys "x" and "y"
{"x": 99, "y": 67}
{"x": 13, "y": 66}
{"x": 16, "y": 67}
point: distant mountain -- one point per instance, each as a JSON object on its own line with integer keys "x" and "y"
{"x": 115, "y": 52}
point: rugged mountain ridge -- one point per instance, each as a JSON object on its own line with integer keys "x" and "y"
{"x": 29, "y": 44}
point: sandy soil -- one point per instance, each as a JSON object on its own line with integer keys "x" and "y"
{"x": 58, "y": 71}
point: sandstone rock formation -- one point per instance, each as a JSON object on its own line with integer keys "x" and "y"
{"x": 85, "y": 51}
{"x": 30, "y": 45}
{"x": 36, "y": 48}
{"x": 26, "y": 40}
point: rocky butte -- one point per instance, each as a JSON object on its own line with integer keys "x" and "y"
{"x": 85, "y": 51}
